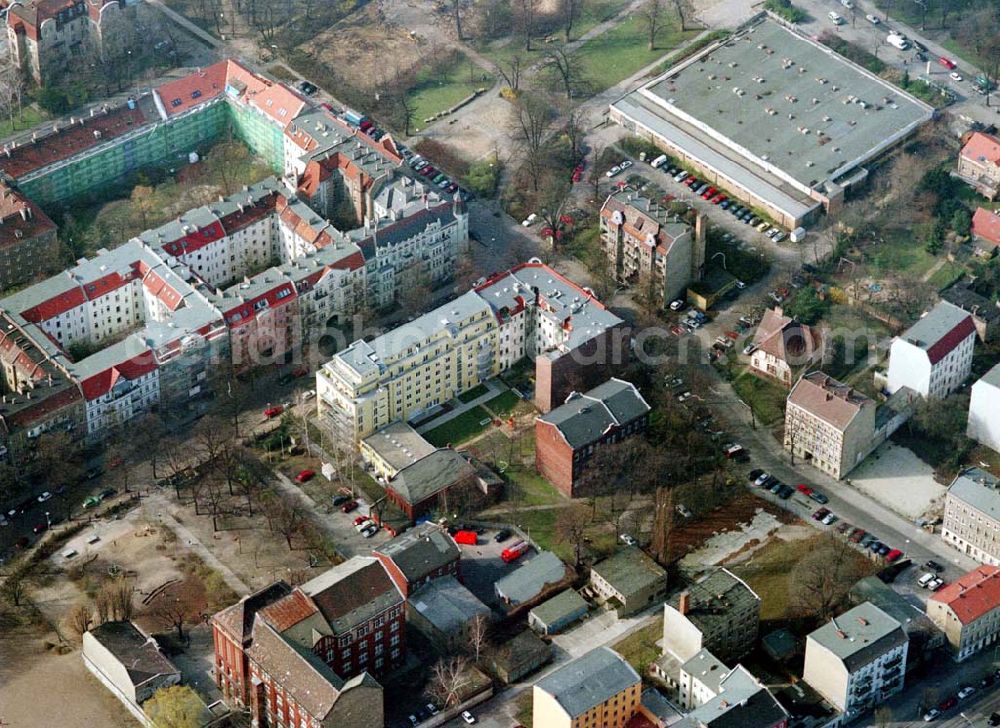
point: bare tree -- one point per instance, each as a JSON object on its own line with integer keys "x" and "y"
{"x": 663, "y": 523}
{"x": 525, "y": 17}
{"x": 79, "y": 617}
{"x": 510, "y": 71}
{"x": 822, "y": 578}
{"x": 115, "y": 596}
{"x": 478, "y": 633}
{"x": 288, "y": 519}
{"x": 15, "y": 589}
{"x": 571, "y": 528}
{"x": 448, "y": 679}
{"x": 652, "y": 20}
{"x": 684, "y": 10}
{"x": 532, "y": 123}
{"x": 570, "y": 12}
{"x": 566, "y": 68}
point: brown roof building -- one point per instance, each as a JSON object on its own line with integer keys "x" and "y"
{"x": 979, "y": 163}
{"x": 829, "y": 424}
{"x": 28, "y": 245}
{"x": 307, "y": 655}
{"x": 784, "y": 346}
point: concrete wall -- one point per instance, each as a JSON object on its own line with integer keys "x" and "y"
{"x": 825, "y": 673}
{"x": 984, "y": 414}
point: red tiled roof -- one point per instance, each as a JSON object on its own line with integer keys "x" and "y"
{"x": 823, "y": 396}
{"x": 972, "y": 595}
{"x": 982, "y": 147}
{"x": 184, "y": 93}
{"x": 70, "y": 141}
{"x": 170, "y": 297}
{"x": 102, "y": 382}
{"x": 56, "y": 305}
{"x": 45, "y": 406}
{"x": 20, "y": 219}
{"x": 986, "y": 225}
{"x": 943, "y": 346}
{"x": 107, "y": 284}
{"x": 250, "y": 214}
{"x": 195, "y": 240}
{"x": 274, "y": 99}
{"x": 289, "y": 611}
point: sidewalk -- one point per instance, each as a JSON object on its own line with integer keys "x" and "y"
{"x": 491, "y": 384}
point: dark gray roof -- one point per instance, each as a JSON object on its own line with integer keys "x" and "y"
{"x": 975, "y": 303}
{"x": 529, "y": 579}
{"x": 564, "y": 605}
{"x": 584, "y": 418}
{"x": 629, "y": 571}
{"x": 137, "y": 652}
{"x": 714, "y": 597}
{"x": 979, "y": 489}
{"x": 447, "y": 605}
{"x": 874, "y": 590}
{"x": 353, "y": 592}
{"x": 589, "y": 680}
{"x": 430, "y": 475}
{"x": 935, "y": 324}
{"x": 741, "y": 702}
{"x": 992, "y": 376}
{"x": 654, "y": 701}
{"x": 860, "y": 635}
{"x": 421, "y": 551}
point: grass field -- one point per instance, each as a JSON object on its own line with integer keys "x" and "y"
{"x": 503, "y": 404}
{"x": 617, "y": 54}
{"x": 29, "y": 118}
{"x": 478, "y": 391}
{"x": 460, "y": 429}
{"x": 440, "y": 87}
{"x": 639, "y": 648}
{"x": 766, "y": 399}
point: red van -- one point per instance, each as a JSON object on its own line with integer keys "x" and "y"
{"x": 467, "y": 538}
{"x": 947, "y": 63}
{"x": 515, "y": 551}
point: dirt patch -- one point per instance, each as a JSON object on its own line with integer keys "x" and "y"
{"x": 40, "y": 686}
{"x": 726, "y": 518}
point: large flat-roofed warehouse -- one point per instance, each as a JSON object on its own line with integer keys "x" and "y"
{"x": 776, "y": 119}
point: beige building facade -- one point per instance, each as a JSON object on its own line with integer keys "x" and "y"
{"x": 972, "y": 515}
{"x": 597, "y": 690}
{"x": 968, "y": 611}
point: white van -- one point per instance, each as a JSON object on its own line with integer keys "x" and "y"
{"x": 835, "y": 17}
{"x": 659, "y": 161}
{"x": 925, "y": 579}
{"x": 897, "y": 40}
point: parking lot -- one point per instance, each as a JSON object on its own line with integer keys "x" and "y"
{"x": 482, "y": 565}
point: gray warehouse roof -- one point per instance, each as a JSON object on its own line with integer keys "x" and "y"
{"x": 779, "y": 97}
{"x": 584, "y": 418}
{"x": 629, "y": 571}
{"x": 979, "y": 489}
{"x": 432, "y": 474}
{"x": 447, "y": 605}
{"x": 859, "y": 635}
{"x": 529, "y": 579}
{"x": 589, "y": 680}
{"x": 421, "y": 550}
{"x": 562, "y": 606}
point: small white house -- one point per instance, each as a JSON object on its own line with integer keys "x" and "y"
{"x": 934, "y": 356}
{"x": 984, "y": 406}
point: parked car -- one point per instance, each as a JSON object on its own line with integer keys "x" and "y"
{"x": 872, "y": 19}
{"x": 360, "y": 519}
{"x": 856, "y": 535}
{"x": 829, "y": 519}
{"x": 948, "y": 703}
{"x": 613, "y": 172}
{"x": 947, "y": 63}
{"x": 820, "y": 514}
{"x": 925, "y": 579}
{"x": 625, "y": 164}
{"x": 628, "y": 540}
{"x": 933, "y": 565}
{"x": 432, "y": 709}
{"x": 749, "y": 349}
{"x": 305, "y": 476}
{"x": 44, "y": 497}
{"x": 761, "y": 479}
{"x": 931, "y": 715}
{"x": 966, "y": 692}
{"x": 274, "y": 411}
{"x": 893, "y": 555}
{"x": 779, "y": 237}
{"x": 370, "y": 530}
{"x": 40, "y": 528}
{"x": 677, "y": 304}
{"x": 956, "y": 76}
{"x": 349, "y": 506}
{"x": 468, "y": 717}
{"x": 785, "y": 491}
{"x": 502, "y": 535}
{"x": 994, "y": 719}
{"x": 339, "y": 500}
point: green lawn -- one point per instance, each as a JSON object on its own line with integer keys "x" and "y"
{"x": 617, "y": 54}
{"x": 478, "y": 391}
{"x": 29, "y": 118}
{"x": 767, "y": 399}
{"x": 441, "y": 87}
{"x": 768, "y": 573}
{"x": 946, "y": 275}
{"x": 639, "y": 648}
{"x": 503, "y": 404}
{"x": 456, "y": 431}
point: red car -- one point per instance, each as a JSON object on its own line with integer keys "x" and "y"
{"x": 300, "y": 371}
{"x": 349, "y": 506}
{"x": 691, "y": 180}
{"x": 718, "y": 199}
{"x": 40, "y": 528}
{"x": 948, "y": 703}
{"x": 326, "y": 106}
{"x": 305, "y": 476}
{"x": 804, "y": 489}
{"x": 710, "y": 192}
{"x": 947, "y": 63}
{"x": 273, "y": 411}
{"x": 360, "y": 519}
{"x": 893, "y": 555}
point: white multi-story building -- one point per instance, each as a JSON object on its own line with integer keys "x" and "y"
{"x": 984, "y": 410}
{"x": 857, "y": 660}
{"x": 934, "y": 356}
{"x": 530, "y": 311}
{"x": 972, "y": 515}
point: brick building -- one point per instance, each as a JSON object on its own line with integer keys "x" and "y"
{"x": 279, "y": 650}
{"x": 418, "y": 556}
{"x": 567, "y": 437}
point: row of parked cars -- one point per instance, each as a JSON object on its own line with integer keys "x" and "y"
{"x": 988, "y": 681}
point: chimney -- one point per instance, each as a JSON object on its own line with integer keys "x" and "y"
{"x": 683, "y": 602}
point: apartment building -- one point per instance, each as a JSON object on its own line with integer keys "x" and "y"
{"x": 647, "y": 246}
{"x": 934, "y": 356}
{"x": 829, "y": 424}
{"x": 418, "y": 556}
{"x": 968, "y": 611}
{"x": 984, "y": 404}
{"x": 598, "y": 689}
{"x": 856, "y": 660}
{"x": 972, "y": 515}
{"x": 718, "y": 613}
{"x": 28, "y": 244}
{"x": 567, "y": 437}
{"x": 784, "y": 346}
{"x": 530, "y": 311}
{"x": 979, "y": 163}
{"x": 46, "y": 37}
{"x": 739, "y": 699}
{"x": 311, "y": 652}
